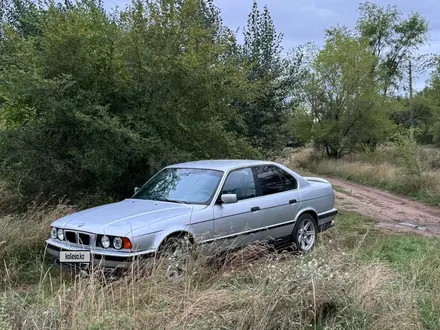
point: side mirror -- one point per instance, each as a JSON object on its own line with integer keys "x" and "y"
{"x": 229, "y": 198}
{"x": 136, "y": 189}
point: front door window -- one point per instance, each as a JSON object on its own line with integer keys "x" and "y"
{"x": 240, "y": 182}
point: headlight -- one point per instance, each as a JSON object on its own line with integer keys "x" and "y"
{"x": 60, "y": 234}
{"x": 105, "y": 241}
{"x": 53, "y": 232}
{"x": 117, "y": 243}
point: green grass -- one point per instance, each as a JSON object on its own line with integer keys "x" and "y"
{"x": 413, "y": 258}
{"x": 404, "y": 250}
{"x": 400, "y": 250}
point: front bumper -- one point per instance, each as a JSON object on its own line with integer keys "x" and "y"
{"x": 100, "y": 258}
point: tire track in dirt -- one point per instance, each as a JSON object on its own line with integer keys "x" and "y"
{"x": 390, "y": 211}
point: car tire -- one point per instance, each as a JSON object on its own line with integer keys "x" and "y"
{"x": 176, "y": 257}
{"x": 304, "y": 233}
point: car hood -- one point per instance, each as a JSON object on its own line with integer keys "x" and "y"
{"x": 123, "y": 217}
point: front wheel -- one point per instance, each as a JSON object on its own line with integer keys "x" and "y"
{"x": 176, "y": 257}
{"x": 304, "y": 233}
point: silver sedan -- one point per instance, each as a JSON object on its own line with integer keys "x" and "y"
{"x": 227, "y": 202}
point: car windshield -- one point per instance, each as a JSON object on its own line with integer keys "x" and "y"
{"x": 181, "y": 185}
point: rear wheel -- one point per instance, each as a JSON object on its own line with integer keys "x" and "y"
{"x": 304, "y": 233}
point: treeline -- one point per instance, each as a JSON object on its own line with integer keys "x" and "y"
{"x": 97, "y": 102}
{"x": 94, "y": 102}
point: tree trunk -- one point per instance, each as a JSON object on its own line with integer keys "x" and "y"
{"x": 331, "y": 152}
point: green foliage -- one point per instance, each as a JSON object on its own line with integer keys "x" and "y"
{"x": 267, "y": 116}
{"x": 347, "y": 90}
{"x": 343, "y": 96}
{"x": 95, "y": 103}
{"x": 391, "y": 38}
{"x": 25, "y": 16}
{"x": 300, "y": 127}
{"x": 414, "y": 162}
{"x": 422, "y": 112}
{"x": 419, "y": 113}
{"x": 432, "y": 94}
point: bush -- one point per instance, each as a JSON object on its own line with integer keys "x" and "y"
{"x": 413, "y": 160}
{"x": 94, "y": 103}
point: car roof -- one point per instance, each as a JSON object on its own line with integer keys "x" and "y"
{"x": 221, "y": 164}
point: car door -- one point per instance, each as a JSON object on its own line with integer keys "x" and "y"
{"x": 280, "y": 201}
{"x": 237, "y": 224}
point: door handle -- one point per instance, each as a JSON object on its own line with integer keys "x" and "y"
{"x": 293, "y": 201}
{"x": 255, "y": 209}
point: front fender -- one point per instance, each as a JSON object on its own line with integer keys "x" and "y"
{"x": 169, "y": 232}
{"x": 157, "y": 233}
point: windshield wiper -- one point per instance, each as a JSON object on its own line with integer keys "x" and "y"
{"x": 173, "y": 201}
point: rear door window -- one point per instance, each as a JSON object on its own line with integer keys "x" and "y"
{"x": 274, "y": 180}
{"x": 288, "y": 180}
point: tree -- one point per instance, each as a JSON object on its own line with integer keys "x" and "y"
{"x": 265, "y": 117}
{"x": 392, "y": 39}
{"x": 95, "y": 104}
{"x": 342, "y": 96}
{"x": 25, "y": 16}
{"x": 418, "y": 113}
{"x": 431, "y": 94}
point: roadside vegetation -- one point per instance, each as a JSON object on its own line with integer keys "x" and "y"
{"x": 93, "y": 102}
{"x": 405, "y": 169}
{"x": 357, "y": 278}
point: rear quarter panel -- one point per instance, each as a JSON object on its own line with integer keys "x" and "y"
{"x": 317, "y": 196}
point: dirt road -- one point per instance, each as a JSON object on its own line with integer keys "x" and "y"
{"x": 391, "y": 211}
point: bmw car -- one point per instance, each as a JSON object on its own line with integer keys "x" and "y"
{"x": 228, "y": 203}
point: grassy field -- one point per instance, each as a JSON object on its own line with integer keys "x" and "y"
{"x": 414, "y": 176}
{"x": 356, "y": 278}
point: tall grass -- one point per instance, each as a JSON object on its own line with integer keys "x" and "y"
{"x": 22, "y": 237}
{"x": 403, "y": 175}
{"x": 297, "y": 293}
{"x": 355, "y": 279}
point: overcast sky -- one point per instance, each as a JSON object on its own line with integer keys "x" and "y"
{"x": 301, "y": 21}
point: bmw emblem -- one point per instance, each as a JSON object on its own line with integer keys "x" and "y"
{"x": 81, "y": 224}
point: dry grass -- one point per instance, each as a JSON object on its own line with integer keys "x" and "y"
{"x": 8, "y": 200}
{"x": 22, "y": 237}
{"x": 346, "y": 283}
{"x": 379, "y": 169}
{"x": 297, "y": 293}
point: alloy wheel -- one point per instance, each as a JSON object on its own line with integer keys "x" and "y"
{"x": 306, "y": 235}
